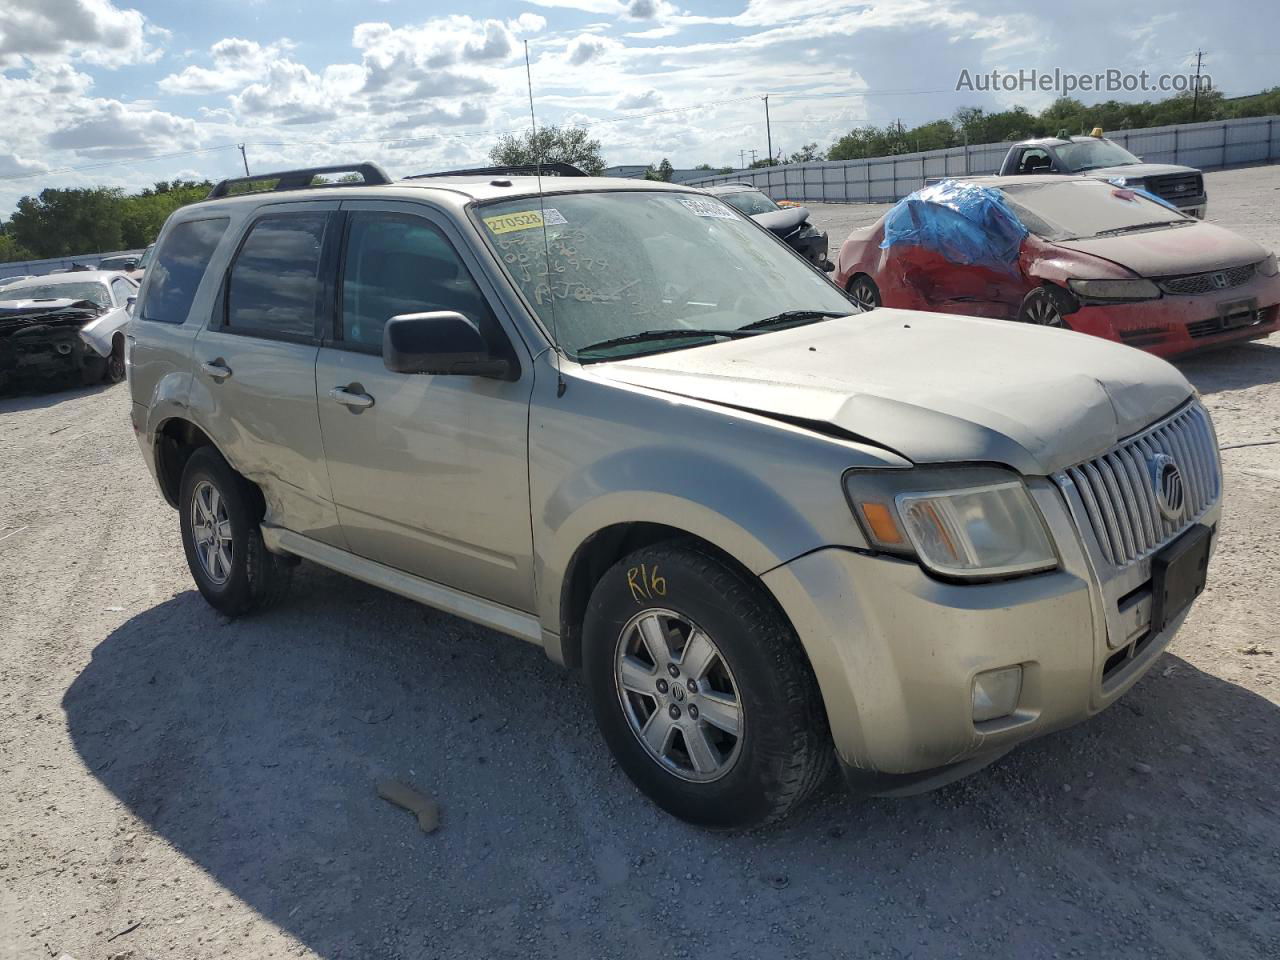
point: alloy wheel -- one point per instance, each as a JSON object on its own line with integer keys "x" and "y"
{"x": 678, "y": 695}
{"x": 1045, "y": 312}
{"x": 211, "y": 531}
{"x": 863, "y": 295}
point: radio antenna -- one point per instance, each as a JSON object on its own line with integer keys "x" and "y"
{"x": 542, "y": 214}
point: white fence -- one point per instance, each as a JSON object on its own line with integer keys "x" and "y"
{"x": 1207, "y": 146}
{"x": 21, "y": 268}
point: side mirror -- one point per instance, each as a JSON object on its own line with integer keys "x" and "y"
{"x": 441, "y": 342}
{"x": 129, "y": 305}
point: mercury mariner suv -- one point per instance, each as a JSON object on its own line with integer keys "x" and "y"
{"x": 620, "y": 420}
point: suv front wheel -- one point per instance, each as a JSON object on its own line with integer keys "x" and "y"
{"x": 220, "y": 516}
{"x": 701, "y": 689}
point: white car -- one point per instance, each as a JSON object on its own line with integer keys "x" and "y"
{"x": 71, "y": 322}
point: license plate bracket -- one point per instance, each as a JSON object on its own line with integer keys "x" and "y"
{"x": 1178, "y": 575}
{"x": 1238, "y": 313}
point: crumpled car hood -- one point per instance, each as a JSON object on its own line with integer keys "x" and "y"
{"x": 1196, "y": 248}
{"x": 932, "y": 387}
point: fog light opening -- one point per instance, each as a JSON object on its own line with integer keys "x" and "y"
{"x": 996, "y": 693}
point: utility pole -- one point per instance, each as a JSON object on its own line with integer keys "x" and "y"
{"x": 753, "y": 157}
{"x": 742, "y": 159}
{"x": 768, "y": 130}
{"x": 1195, "y": 96}
{"x": 245, "y": 158}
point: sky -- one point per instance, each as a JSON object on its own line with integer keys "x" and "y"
{"x": 126, "y": 94}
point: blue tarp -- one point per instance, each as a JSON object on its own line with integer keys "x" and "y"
{"x": 964, "y": 222}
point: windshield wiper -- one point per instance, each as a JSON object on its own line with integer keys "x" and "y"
{"x": 793, "y": 316}
{"x": 1142, "y": 226}
{"x": 650, "y": 336}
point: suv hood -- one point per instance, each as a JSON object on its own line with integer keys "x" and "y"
{"x": 1139, "y": 170}
{"x": 931, "y": 387}
{"x": 1196, "y": 248}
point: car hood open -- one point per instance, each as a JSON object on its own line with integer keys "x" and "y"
{"x": 931, "y": 387}
{"x": 782, "y": 222}
{"x": 1172, "y": 251}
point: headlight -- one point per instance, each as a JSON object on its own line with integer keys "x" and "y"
{"x": 1131, "y": 182}
{"x": 1268, "y": 266}
{"x": 962, "y": 522}
{"x": 1114, "y": 289}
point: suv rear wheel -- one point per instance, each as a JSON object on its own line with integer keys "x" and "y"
{"x": 220, "y": 514}
{"x": 701, "y": 689}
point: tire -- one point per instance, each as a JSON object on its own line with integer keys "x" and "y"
{"x": 864, "y": 292}
{"x": 1046, "y": 307}
{"x": 115, "y": 369}
{"x": 782, "y": 750}
{"x": 240, "y": 576}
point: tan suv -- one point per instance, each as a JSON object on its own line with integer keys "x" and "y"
{"x": 620, "y": 420}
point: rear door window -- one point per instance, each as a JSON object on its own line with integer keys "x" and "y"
{"x": 274, "y": 287}
{"x": 174, "y": 275}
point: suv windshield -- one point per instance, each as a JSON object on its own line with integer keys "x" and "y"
{"x": 96, "y": 292}
{"x": 750, "y": 202}
{"x": 628, "y": 263}
{"x": 1091, "y": 154}
{"x": 1076, "y": 209}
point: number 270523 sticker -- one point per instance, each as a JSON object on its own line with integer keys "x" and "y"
{"x": 524, "y": 220}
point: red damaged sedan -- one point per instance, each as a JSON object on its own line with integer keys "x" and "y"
{"x": 1070, "y": 252}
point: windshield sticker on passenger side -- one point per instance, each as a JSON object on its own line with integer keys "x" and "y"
{"x": 524, "y": 220}
{"x": 709, "y": 208}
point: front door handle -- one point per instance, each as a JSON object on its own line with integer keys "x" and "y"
{"x": 216, "y": 369}
{"x": 349, "y": 398}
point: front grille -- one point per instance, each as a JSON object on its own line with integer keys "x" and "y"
{"x": 1118, "y": 496}
{"x": 1232, "y": 321}
{"x": 1176, "y": 186}
{"x": 1193, "y": 284}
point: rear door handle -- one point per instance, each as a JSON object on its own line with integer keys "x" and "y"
{"x": 347, "y": 398}
{"x": 216, "y": 369}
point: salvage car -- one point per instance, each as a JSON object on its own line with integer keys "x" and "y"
{"x": 1070, "y": 252}
{"x": 614, "y": 419}
{"x": 788, "y": 222}
{"x": 1105, "y": 159}
{"x": 65, "y": 326}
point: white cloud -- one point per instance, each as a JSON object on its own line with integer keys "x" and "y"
{"x": 236, "y": 63}
{"x": 111, "y": 128}
{"x": 92, "y": 31}
{"x": 635, "y": 101}
{"x": 586, "y": 47}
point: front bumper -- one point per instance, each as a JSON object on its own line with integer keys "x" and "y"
{"x": 1174, "y": 325}
{"x": 896, "y": 651}
{"x": 813, "y": 248}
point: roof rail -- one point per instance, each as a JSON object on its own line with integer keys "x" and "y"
{"x": 302, "y": 178}
{"x": 552, "y": 169}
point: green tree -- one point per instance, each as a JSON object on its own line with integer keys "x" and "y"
{"x": 806, "y": 154}
{"x": 11, "y": 250}
{"x": 63, "y": 222}
{"x": 552, "y": 145}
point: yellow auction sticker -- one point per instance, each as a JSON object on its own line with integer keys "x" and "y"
{"x": 522, "y": 220}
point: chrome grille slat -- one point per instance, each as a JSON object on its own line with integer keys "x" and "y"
{"x": 1150, "y": 514}
{"x": 1114, "y": 495}
{"x": 1095, "y": 512}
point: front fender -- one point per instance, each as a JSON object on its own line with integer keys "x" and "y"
{"x": 99, "y": 333}
{"x": 762, "y": 491}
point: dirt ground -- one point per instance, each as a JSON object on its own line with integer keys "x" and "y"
{"x": 174, "y": 784}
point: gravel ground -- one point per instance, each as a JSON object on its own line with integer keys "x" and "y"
{"x": 174, "y": 784}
